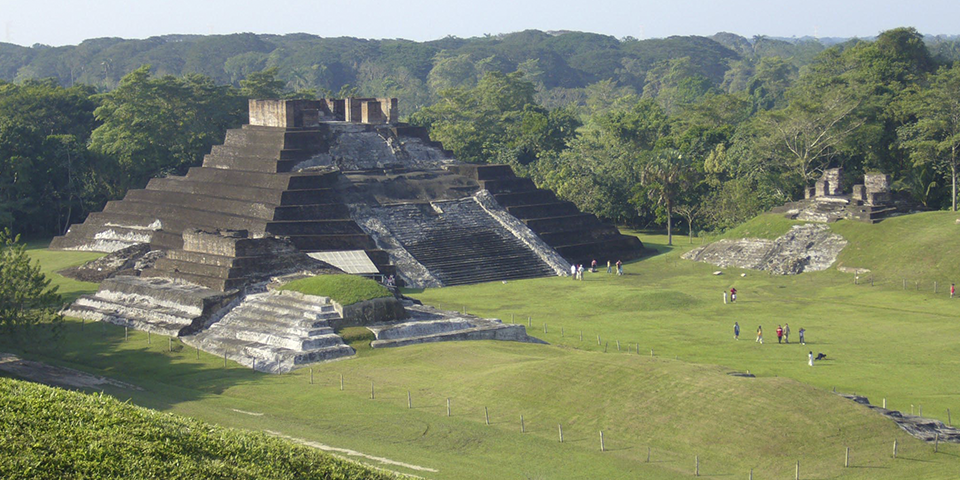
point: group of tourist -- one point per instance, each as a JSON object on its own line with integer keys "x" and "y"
{"x": 783, "y": 335}
{"x": 576, "y": 270}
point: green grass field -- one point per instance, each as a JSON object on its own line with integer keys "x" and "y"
{"x": 343, "y": 289}
{"x": 881, "y": 341}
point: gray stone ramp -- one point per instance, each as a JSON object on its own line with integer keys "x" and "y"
{"x": 275, "y": 332}
{"x": 158, "y": 305}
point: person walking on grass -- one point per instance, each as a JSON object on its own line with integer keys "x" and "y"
{"x": 593, "y": 266}
{"x": 609, "y": 268}
{"x": 619, "y": 267}
{"x": 802, "y": 341}
{"x": 953, "y": 290}
{"x": 736, "y": 331}
{"x": 573, "y": 271}
{"x": 810, "y": 358}
{"x": 733, "y": 295}
{"x": 580, "y": 272}
{"x": 759, "y": 335}
{"x": 779, "y": 334}
{"x": 786, "y": 333}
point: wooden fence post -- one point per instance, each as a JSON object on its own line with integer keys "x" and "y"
{"x": 341, "y": 382}
{"x": 560, "y": 429}
{"x": 797, "y": 477}
{"x": 601, "y": 441}
{"x": 949, "y": 420}
{"x": 522, "y": 429}
{"x": 846, "y": 458}
{"x": 544, "y": 327}
{"x": 696, "y": 471}
{"x": 936, "y": 446}
{"x": 409, "y": 400}
{"x": 581, "y": 335}
{"x": 125, "y": 333}
{"x": 486, "y": 416}
{"x": 894, "y": 448}
{"x": 448, "y": 407}
{"x": 311, "y": 376}
{"x": 618, "y": 345}
{"x": 373, "y": 394}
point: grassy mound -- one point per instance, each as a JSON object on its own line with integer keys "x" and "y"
{"x": 55, "y": 433}
{"x": 343, "y": 289}
{"x": 768, "y": 226}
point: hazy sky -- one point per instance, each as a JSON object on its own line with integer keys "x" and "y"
{"x": 67, "y": 22}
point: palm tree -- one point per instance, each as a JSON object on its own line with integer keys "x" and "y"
{"x": 663, "y": 178}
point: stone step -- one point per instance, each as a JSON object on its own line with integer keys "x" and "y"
{"x": 117, "y": 318}
{"x": 299, "y": 180}
{"x": 275, "y": 196}
{"x": 603, "y": 232}
{"x": 568, "y": 223}
{"x": 210, "y": 203}
{"x": 314, "y": 227}
{"x": 508, "y": 185}
{"x": 207, "y": 281}
{"x": 187, "y": 298}
{"x": 321, "y": 243}
{"x": 543, "y": 210}
{"x": 288, "y": 312}
{"x": 132, "y": 307}
{"x": 249, "y": 164}
{"x": 293, "y": 339}
{"x": 173, "y": 218}
{"x": 328, "y": 211}
{"x": 535, "y": 197}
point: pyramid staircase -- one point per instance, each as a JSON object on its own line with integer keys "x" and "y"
{"x": 244, "y": 184}
{"x": 460, "y": 243}
{"x": 578, "y": 237}
{"x": 275, "y": 332}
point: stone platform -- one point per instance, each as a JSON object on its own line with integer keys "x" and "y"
{"x": 804, "y": 248}
{"x": 427, "y": 324}
{"x": 275, "y": 332}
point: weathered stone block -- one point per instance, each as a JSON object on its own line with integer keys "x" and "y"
{"x": 859, "y": 193}
{"x": 877, "y": 182}
{"x": 809, "y": 192}
{"x": 378, "y": 310}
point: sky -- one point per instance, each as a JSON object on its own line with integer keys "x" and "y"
{"x": 68, "y": 22}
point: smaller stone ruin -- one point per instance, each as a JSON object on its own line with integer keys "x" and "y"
{"x": 869, "y": 202}
{"x": 805, "y": 248}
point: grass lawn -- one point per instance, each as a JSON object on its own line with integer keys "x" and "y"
{"x": 343, "y": 289}
{"x": 680, "y": 403}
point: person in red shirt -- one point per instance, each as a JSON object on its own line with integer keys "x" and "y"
{"x": 953, "y": 290}
{"x": 779, "y": 334}
{"x": 733, "y": 294}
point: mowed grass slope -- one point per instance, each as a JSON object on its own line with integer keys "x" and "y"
{"x": 680, "y": 402}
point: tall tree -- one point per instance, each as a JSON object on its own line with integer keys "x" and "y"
{"x": 158, "y": 125}
{"x": 665, "y": 175}
{"x": 934, "y": 137}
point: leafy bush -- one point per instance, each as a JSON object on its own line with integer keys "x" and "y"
{"x": 343, "y": 289}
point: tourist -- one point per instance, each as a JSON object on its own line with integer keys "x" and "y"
{"x": 593, "y": 266}
{"x": 619, "y": 267}
{"x": 779, "y": 334}
{"x": 736, "y": 331}
{"x": 609, "y": 268}
{"x": 810, "y": 358}
{"x": 802, "y": 341}
{"x": 733, "y": 295}
{"x": 760, "y": 335}
{"x": 573, "y": 270}
{"x": 580, "y": 272}
{"x": 786, "y": 333}
{"x": 953, "y": 290}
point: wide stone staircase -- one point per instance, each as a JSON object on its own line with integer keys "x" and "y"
{"x": 244, "y": 184}
{"x": 579, "y": 237}
{"x": 155, "y": 305}
{"x": 460, "y": 243}
{"x": 275, "y": 332}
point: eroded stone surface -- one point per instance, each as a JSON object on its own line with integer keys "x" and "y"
{"x": 427, "y": 324}
{"x": 926, "y": 429}
{"x": 804, "y": 248}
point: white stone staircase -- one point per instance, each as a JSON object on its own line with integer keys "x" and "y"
{"x": 274, "y": 332}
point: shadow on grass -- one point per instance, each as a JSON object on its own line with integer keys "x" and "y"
{"x": 167, "y": 370}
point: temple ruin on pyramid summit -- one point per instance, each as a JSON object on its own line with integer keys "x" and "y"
{"x": 322, "y": 186}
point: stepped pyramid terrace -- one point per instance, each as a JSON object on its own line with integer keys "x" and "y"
{"x": 324, "y": 186}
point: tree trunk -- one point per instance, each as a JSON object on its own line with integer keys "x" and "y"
{"x": 690, "y": 227}
{"x": 669, "y": 234}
